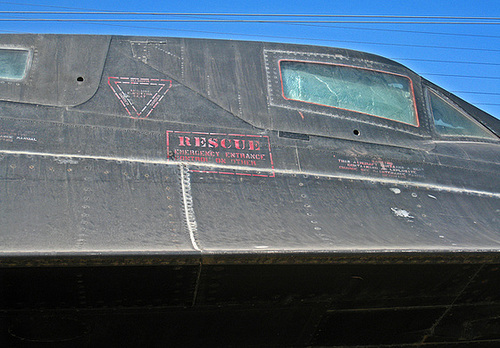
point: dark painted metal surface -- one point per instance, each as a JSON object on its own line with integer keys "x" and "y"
{"x": 163, "y": 191}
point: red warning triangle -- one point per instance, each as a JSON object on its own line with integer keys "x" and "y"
{"x": 139, "y": 95}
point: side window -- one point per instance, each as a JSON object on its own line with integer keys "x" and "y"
{"x": 371, "y": 92}
{"x": 449, "y": 120}
{"x": 13, "y": 63}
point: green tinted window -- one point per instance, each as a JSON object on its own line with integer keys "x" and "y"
{"x": 449, "y": 120}
{"x": 13, "y": 63}
{"x": 362, "y": 90}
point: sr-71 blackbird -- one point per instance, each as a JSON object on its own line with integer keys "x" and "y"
{"x": 169, "y": 191}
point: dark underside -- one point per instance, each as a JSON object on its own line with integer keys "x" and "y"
{"x": 240, "y": 300}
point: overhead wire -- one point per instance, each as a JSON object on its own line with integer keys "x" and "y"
{"x": 463, "y": 76}
{"x": 445, "y": 61}
{"x": 489, "y": 104}
{"x": 474, "y": 92}
{"x": 217, "y": 21}
{"x": 402, "y": 31}
{"x": 339, "y": 27}
{"x": 51, "y": 6}
{"x": 347, "y": 41}
{"x": 312, "y": 23}
{"x": 327, "y": 40}
{"x": 363, "y": 42}
{"x": 273, "y": 21}
{"x": 291, "y": 15}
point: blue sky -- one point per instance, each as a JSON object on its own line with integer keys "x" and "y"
{"x": 463, "y": 58}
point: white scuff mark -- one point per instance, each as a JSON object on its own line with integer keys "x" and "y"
{"x": 402, "y": 213}
{"x": 395, "y": 190}
{"x": 431, "y": 196}
{"x": 188, "y": 206}
{"x": 441, "y": 236}
{"x": 261, "y": 247}
{"x": 339, "y": 176}
{"x": 66, "y": 161}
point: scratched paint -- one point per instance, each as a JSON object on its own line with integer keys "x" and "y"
{"x": 402, "y": 213}
{"x": 215, "y": 168}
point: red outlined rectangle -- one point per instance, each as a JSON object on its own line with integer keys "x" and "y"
{"x": 249, "y": 155}
{"x": 354, "y": 67}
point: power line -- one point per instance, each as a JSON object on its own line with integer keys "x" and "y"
{"x": 279, "y": 37}
{"x": 298, "y": 38}
{"x": 353, "y": 28}
{"x": 466, "y": 92}
{"x": 463, "y": 76}
{"x": 445, "y": 61}
{"x": 430, "y": 74}
{"x": 291, "y": 15}
{"x": 52, "y": 6}
{"x": 313, "y": 39}
{"x": 356, "y": 42}
{"x": 403, "y": 31}
{"x": 413, "y": 59}
{"x": 413, "y": 45}
{"x": 285, "y": 21}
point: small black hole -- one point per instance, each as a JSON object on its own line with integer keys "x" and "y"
{"x": 356, "y": 132}
{"x": 79, "y": 79}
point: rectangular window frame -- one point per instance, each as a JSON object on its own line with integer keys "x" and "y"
{"x": 26, "y": 67}
{"x": 349, "y": 110}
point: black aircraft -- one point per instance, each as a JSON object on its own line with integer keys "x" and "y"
{"x": 186, "y": 192}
